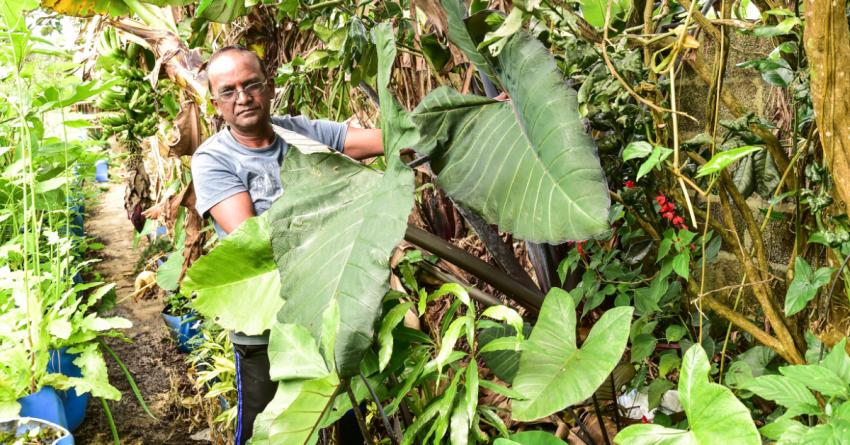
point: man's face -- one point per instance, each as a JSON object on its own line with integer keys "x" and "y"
{"x": 232, "y": 71}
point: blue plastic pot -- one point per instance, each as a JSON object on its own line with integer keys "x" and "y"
{"x": 184, "y": 328}
{"x": 23, "y": 425}
{"x": 158, "y": 233}
{"x": 75, "y": 404}
{"x": 45, "y": 405}
{"x": 101, "y": 171}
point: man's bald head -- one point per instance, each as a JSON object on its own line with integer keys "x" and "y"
{"x": 231, "y": 50}
{"x": 241, "y": 91}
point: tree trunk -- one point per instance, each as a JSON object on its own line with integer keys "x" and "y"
{"x": 827, "y": 43}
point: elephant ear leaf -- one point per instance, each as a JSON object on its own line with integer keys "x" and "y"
{"x": 714, "y": 414}
{"x": 335, "y": 226}
{"x": 553, "y": 373}
{"x": 237, "y": 284}
{"x": 525, "y": 164}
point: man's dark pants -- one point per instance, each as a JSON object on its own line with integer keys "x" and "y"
{"x": 254, "y": 387}
{"x": 255, "y": 390}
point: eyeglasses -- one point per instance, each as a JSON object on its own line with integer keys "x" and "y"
{"x": 252, "y": 89}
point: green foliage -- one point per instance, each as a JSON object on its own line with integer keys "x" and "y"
{"x": 594, "y": 11}
{"x": 714, "y": 414}
{"x": 793, "y": 390}
{"x": 44, "y": 305}
{"x": 553, "y": 373}
{"x": 805, "y": 285}
{"x": 544, "y": 156}
{"x": 363, "y": 217}
{"x": 723, "y": 159}
{"x": 241, "y": 265}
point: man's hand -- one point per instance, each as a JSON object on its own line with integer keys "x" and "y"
{"x": 363, "y": 143}
{"x": 232, "y": 211}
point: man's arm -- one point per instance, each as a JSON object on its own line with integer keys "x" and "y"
{"x": 232, "y": 211}
{"x": 363, "y": 143}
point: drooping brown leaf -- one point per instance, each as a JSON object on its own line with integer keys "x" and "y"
{"x": 185, "y": 135}
{"x": 827, "y": 43}
{"x": 137, "y": 193}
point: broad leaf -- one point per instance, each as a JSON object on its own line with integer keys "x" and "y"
{"x": 637, "y": 150}
{"x": 817, "y": 378}
{"x": 293, "y": 354}
{"x": 307, "y": 386}
{"x": 168, "y": 275}
{"x": 237, "y": 283}
{"x": 525, "y": 164}
{"x": 805, "y": 285}
{"x": 594, "y": 10}
{"x": 784, "y": 27}
{"x": 658, "y": 155}
{"x": 299, "y": 422}
{"x": 837, "y": 361}
{"x": 553, "y": 373}
{"x": 723, "y": 159}
{"x": 335, "y": 226}
{"x": 715, "y": 416}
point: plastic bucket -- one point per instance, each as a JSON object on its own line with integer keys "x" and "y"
{"x": 23, "y": 425}
{"x": 75, "y": 404}
{"x": 44, "y": 404}
{"x": 101, "y": 171}
{"x": 184, "y": 328}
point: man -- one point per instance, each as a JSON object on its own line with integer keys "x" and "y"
{"x": 236, "y": 174}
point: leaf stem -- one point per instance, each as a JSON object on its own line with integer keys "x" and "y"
{"x": 361, "y": 422}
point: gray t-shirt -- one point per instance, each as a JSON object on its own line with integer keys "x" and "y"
{"x": 222, "y": 167}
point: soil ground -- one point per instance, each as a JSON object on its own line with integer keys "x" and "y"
{"x": 152, "y": 357}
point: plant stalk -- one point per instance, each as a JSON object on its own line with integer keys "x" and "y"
{"x": 528, "y": 298}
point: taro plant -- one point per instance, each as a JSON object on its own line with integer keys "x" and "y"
{"x": 714, "y": 415}
{"x": 817, "y": 394}
{"x": 363, "y": 213}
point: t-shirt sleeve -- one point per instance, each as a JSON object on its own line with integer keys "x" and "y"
{"x": 213, "y": 182}
{"x": 329, "y": 133}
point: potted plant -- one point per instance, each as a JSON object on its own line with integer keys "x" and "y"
{"x": 181, "y": 320}
{"x": 31, "y": 431}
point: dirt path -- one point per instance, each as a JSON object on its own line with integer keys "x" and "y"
{"x": 159, "y": 369}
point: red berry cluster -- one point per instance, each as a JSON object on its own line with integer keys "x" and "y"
{"x": 668, "y": 210}
{"x": 629, "y": 184}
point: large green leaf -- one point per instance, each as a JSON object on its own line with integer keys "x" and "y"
{"x": 553, "y": 373}
{"x": 335, "y": 226}
{"x": 525, "y": 164}
{"x": 714, "y": 414}
{"x": 237, "y": 284}
{"x": 306, "y": 389}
